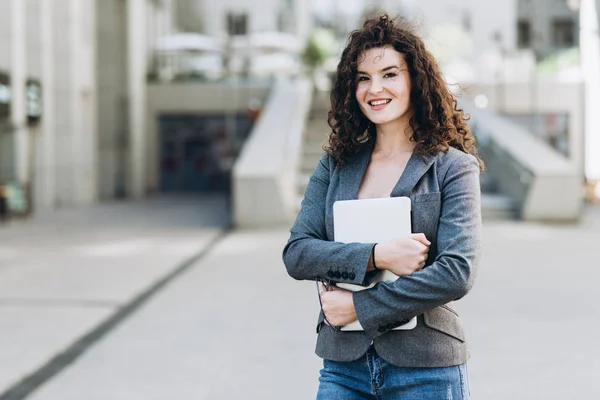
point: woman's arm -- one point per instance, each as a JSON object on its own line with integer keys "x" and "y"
{"x": 308, "y": 254}
{"x": 452, "y": 273}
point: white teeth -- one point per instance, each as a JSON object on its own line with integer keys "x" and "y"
{"x": 379, "y": 102}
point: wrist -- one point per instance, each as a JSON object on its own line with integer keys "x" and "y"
{"x": 379, "y": 251}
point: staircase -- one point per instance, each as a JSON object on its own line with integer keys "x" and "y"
{"x": 494, "y": 205}
{"x": 315, "y": 136}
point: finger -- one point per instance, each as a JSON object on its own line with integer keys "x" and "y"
{"x": 420, "y": 237}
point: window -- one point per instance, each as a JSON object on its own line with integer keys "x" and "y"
{"x": 237, "y": 23}
{"x": 523, "y": 34}
{"x": 5, "y": 97}
{"x": 33, "y": 101}
{"x": 563, "y": 33}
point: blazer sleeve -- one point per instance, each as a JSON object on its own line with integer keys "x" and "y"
{"x": 452, "y": 273}
{"x": 308, "y": 254}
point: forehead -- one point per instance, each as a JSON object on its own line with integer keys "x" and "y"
{"x": 379, "y": 57}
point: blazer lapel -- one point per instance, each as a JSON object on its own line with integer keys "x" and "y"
{"x": 352, "y": 174}
{"x": 415, "y": 169}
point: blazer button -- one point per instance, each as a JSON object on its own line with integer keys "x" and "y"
{"x": 337, "y": 274}
{"x": 345, "y": 275}
{"x": 351, "y": 275}
{"x": 330, "y": 274}
{"x": 382, "y": 329}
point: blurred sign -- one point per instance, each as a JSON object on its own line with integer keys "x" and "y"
{"x": 34, "y": 101}
{"x": 5, "y": 97}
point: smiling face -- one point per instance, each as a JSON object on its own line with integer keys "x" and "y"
{"x": 383, "y": 86}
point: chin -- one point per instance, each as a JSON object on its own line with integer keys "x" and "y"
{"x": 382, "y": 121}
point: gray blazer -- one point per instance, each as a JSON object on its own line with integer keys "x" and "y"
{"x": 446, "y": 207}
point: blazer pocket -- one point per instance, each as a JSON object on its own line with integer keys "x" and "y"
{"x": 426, "y": 197}
{"x": 426, "y": 210}
{"x": 445, "y": 320}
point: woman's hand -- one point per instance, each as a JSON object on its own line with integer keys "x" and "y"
{"x": 338, "y": 306}
{"x": 403, "y": 255}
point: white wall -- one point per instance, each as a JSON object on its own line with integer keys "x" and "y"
{"x": 111, "y": 66}
{"x": 5, "y": 6}
{"x": 34, "y": 38}
{"x": 75, "y": 102}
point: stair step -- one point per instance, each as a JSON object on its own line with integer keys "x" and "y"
{"x": 302, "y": 179}
{"x": 310, "y": 161}
{"x": 488, "y": 183}
{"x": 316, "y": 133}
{"x": 313, "y": 145}
{"x": 298, "y": 203}
{"x": 312, "y": 150}
{"x": 496, "y": 206}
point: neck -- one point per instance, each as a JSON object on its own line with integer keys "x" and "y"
{"x": 394, "y": 138}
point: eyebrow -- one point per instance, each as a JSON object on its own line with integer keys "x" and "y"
{"x": 383, "y": 70}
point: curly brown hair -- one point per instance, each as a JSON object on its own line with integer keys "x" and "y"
{"x": 437, "y": 122}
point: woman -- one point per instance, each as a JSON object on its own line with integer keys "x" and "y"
{"x": 396, "y": 131}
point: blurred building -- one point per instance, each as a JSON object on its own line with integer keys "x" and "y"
{"x": 486, "y": 25}
{"x": 73, "y": 75}
{"x": 547, "y": 26}
{"x": 74, "y": 121}
{"x": 209, "y": 84}
{"x": 242, "y": 17}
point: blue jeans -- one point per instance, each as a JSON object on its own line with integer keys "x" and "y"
{"x": 372, "y": 378}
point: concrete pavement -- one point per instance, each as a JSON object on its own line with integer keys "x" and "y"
{"x": 65, "y": 273}
{"x": 235, "y": 326}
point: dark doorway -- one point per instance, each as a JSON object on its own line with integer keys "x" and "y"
{"x": 197, "y": 152}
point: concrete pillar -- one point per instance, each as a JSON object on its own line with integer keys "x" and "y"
{"x": 76, "y": 134}
{"x": 590, "y": 53}
{"x": 82, "y": 109}
{"x": 136, "y": 67}
{"x": 303, "y": 18}
{"x": 18, "y": 77}
{"x": 46, "y": 169}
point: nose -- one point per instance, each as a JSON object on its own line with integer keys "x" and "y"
{"x": 375, "y": 87}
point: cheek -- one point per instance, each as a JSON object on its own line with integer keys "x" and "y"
{"x": 399, "y": 89}
{"x": 360, "y": 94}
{"x": 360, "y": 98}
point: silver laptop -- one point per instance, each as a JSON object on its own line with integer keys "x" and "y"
{"x": 372, "y": 221}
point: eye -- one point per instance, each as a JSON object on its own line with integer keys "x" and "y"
{"x": 390, "y": 75}
{"x": 362, "y": 79}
